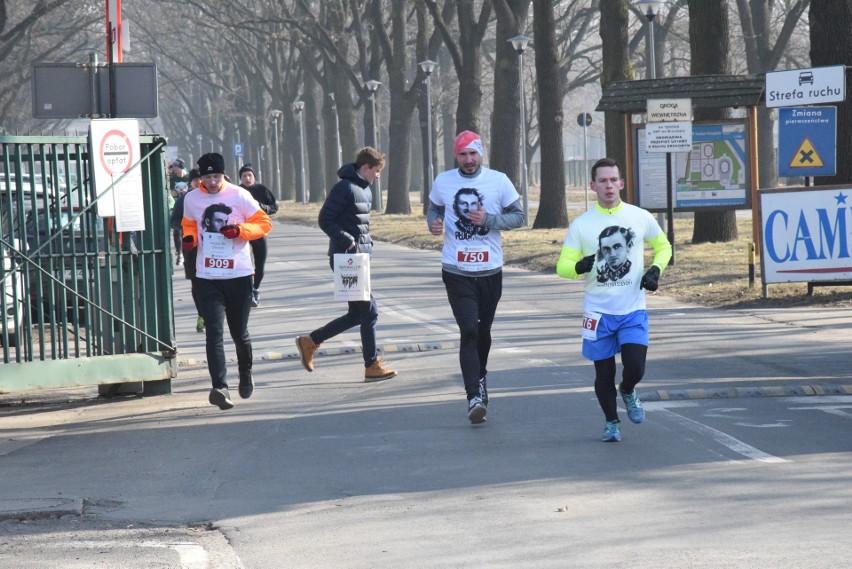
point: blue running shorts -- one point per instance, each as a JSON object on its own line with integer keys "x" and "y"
{"x": 614, "y": 331}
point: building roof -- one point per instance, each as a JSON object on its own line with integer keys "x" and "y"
{"x": 706, "y": 91}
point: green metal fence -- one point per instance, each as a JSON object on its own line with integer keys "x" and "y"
{"x": 83, "y": 304}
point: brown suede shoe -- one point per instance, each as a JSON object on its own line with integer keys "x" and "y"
{"x": 377, "y": 372}
{"x": 307, "y": 349}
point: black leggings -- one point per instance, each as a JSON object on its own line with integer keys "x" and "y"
{"x": 258, "y": 249}
{"x": 633, "y": 360}
{"x": 474, "y": 303}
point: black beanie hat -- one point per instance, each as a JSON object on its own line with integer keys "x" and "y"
{"x": 246, "y": 168}
{"x": 211, "y": 163}
{"x": 193, "y": 174}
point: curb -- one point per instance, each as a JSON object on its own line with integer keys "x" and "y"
{"x": 40, "y": 508}
{"x": 189, "y": 363}
{"x": 737, "y": 392}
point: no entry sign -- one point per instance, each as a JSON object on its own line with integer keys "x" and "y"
{"x": 116, "y": 152}
{"x": 114, "y": 146}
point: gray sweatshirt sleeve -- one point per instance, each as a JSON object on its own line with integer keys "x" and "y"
{"x": 433, "y": 212}
{"x": 511, "y": 218}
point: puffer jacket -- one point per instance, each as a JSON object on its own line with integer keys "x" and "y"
{"x": 345, "y": 215}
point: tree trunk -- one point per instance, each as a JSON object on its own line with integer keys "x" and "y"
{"x": 552, "y": 211}
{"x": 830, "y": 22}
{"x": 709, "y": 41}
{"x": 505, "y": 121}
{"x": 615, "y": 66}
{"x": 314, "y": 175}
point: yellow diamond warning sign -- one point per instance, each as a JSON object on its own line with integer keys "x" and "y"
{"x": 806, "y": 156}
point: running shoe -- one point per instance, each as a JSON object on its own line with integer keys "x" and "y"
{"x": 220, "y": 398}
{"x": 246, "y": 384}
{"x": 476, "y": 410}
{"x": 483, "y": 390}
{"x": 612, "y": 432}
{"x": 635, "y": 411}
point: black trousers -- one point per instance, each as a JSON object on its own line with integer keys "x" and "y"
{"x": 220, "y": 301}
{"x": 474, "y": 302}
{"x": 258, "y": 249}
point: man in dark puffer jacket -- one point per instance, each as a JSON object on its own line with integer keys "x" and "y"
{"x": 345, "y": 218}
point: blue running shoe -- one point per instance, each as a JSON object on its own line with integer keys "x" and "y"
{"x": 635, "y": 412}
{"x": 612, "y": 432}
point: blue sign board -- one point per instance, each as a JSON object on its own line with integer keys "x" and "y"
{"x": 807, "y": 141}
{"x": 238, "y": 149}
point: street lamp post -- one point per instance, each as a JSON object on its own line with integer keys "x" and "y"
{"x": 520, "y": 44}
{"x": 298, "y": 107}
{"x": 336, "y": 129}
{"x": 428, "y": 66}
{"x": 200, "y": 140}
{"x": 276, "y": 114}
{"x": 372, "y": 86}
{"x": 650, "y": 8}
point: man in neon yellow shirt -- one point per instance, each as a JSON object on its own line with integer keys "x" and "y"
{"x": 605, "y": 245}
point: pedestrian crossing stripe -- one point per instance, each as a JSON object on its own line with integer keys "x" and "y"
{"x": 806, "y": 156}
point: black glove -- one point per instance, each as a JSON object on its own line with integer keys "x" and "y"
{"x": 649, "y": 281}
{"x": 585, "y": 264}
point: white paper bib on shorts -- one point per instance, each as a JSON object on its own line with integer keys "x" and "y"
{"x": 590, "y": 325}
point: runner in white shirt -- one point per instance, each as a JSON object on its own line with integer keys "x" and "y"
{"x": 220, "y": 219}
{"x": 606, "y": 244}
{"x": 470, "y": 206}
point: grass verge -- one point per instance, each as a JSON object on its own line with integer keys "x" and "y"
{"x": 709, "y": 274}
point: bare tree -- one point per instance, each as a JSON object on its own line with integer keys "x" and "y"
{"x": 506, "y": 135}
{"x": 762, "y": 56}
{"x": 552, "y": 211}
{"x": 465, "y": 51}
{"x": 831, "y": 21}
{"x": 615, "y": 67}
{"x": 709, "y": 39}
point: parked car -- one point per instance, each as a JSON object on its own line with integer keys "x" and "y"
{"x": 14, "y": 299}
{"x": 67, "y": 251}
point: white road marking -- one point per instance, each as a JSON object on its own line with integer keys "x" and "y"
{"x": 192, "y": 555}
{"x": 724, "y": 439}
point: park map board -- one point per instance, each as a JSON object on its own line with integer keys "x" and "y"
{"x": 712, "y": 174}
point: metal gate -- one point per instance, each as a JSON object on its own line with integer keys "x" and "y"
{"x": 82, "y": 304}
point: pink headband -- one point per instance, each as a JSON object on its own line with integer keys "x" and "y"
{"x": 467, "y": 139}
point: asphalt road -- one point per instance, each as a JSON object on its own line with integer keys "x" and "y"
{"x": 743, "y": 459}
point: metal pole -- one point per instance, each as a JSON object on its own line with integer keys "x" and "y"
{"x": 430, "y": 166}
{"x": 200, "y": 140}
{"x": 302, "y": 157}
{"x": 585, "y": 165}
{"x": 652, "y": 61}
{"x": 94, "y": 102}
{"x": 523, "y": 138}
{"x": 336, "y": 130}
{"x": 652, "y": 74}
{"x": 237, "y": 158}
{"x": 277, "y": 158}
{"x": 377, "y": 186}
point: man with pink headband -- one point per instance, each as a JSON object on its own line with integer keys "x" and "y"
{"x": 470, "y": 206}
